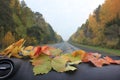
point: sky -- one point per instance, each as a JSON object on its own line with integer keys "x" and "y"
{"x": 65, "y": 16}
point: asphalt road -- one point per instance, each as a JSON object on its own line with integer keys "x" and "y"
{"x": 65, "y": 47}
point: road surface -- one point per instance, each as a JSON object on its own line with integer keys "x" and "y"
{"x": 65, "y": 47}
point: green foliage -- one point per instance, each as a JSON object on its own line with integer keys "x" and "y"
{"x": 42, "y": 68}
{"x": 42, "y": 65}
{"x": 21, "y": 21}
{"x": 71, "y": 58}
{"x": 61, "y": 65}
{"x": 56, "y": 52}
{"x": 57, "y": 61}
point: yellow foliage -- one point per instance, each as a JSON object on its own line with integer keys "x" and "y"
{"x": 80, "y": 53}
{"x": 8, "y": 39}
{"x": 109, "y": 10}
{"x": 95, "y": 41}
{"x": 112, "y": 43}
{"x": 93, "y": 24}
{"x": 14, "y": 49}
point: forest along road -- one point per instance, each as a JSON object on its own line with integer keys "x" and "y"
{"x": 68, "y": 48}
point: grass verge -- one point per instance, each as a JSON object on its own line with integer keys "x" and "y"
{"x": 101, "y": 49}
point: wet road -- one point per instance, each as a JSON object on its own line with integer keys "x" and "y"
{"x": 65, "y": 47}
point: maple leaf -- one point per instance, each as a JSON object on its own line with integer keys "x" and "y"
{"x": 117, "y": 61}
{"x": 55, "y": 52}
{"x": 61, "y": 64}
{"x": 79, "y": 53}
{"x": 98, "y": 61}
{"x": 41, "y": 50}
{"x": 46, "y": 50}
{"x": 42, "y": 64}
{"x": 109, "y": 59}
{"x": 28, "y": 51}
{"x": 43, "y": 68}
{"x": 41, "y": 58}
{"x": 70, "y": 57}
{"x": 37, "y": 50}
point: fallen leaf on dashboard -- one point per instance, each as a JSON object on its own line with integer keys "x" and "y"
{"x": 79, "y": 53}
{"x": 14, "y": 49}
{"x": 42, "y": 64}
{"x": 61, "y": 64}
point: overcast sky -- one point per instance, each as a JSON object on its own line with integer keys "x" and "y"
{"x": 65, "y": 16}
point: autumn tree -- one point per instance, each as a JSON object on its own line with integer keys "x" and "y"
{"x": 103, "y": 26}
{"x": 17, "y": 19}
{"x": 8, "y": 39}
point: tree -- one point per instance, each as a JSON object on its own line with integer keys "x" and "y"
{"x": 19, "y": 21}
{"x": 23, "y": 4}
{"x": 8, "y": 39}
{"x": 102, "y": 27}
